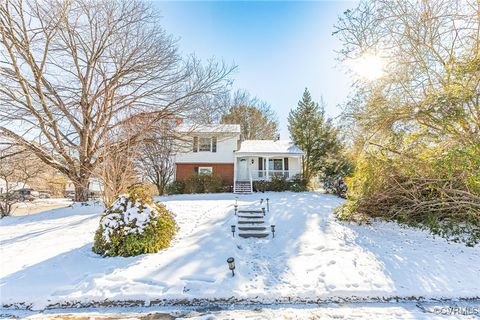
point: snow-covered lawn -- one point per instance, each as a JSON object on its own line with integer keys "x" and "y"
{"x": 47, "y": 258}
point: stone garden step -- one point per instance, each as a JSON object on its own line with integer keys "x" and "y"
{"x": 251, "y": 222}
{"x": 252, "y": 217}
{"x": 252, "y": 228}
{"x": 250, "y": 211}
{"x": 253, "y": 235}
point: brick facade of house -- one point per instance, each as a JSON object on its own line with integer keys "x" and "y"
{"x": 224, "y": 170}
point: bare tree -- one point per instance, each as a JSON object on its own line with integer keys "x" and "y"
{"x": 17, "y": 169}
{"x": 74, "y": 71}
{"x": 156, "y": 159}
{"x": 117, "y": 172}
{"x": 257, "y": 119}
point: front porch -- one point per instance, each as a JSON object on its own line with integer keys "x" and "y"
{"x": 248, "y": 169}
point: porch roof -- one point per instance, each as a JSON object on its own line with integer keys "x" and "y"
{"x": 269, "y": 147}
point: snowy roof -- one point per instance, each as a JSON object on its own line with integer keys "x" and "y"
{"x": 209, "y": 128}
{"x": 269, "y": 146}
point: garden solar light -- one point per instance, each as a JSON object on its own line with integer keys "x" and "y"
{"x": 261, "y": 201}
{"x": 263, "y": 210}
{"x": 233, "y": 230}
{"x": 273, "y": 230}
{"x": 268, "y": 208}
{"x": 231, "y": 265}
{"x": 236, "y": 200}
{"x": 235, "y": 208}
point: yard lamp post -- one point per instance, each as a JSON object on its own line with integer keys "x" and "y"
{"x": 268, "y": 207}
{"x": 235, "y": 208}
{"x": 233, "y": 230}
{"x": 263, "y": 210}
{"x": 273, "y": 230}
{"x": 231, "y": 265}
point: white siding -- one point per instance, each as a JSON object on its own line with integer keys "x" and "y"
{"x": 225, "y": 151}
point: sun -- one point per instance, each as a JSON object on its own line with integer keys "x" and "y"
{"x": 369, "y": 66}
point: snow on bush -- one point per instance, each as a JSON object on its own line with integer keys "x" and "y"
{"x": 134, "y": 224}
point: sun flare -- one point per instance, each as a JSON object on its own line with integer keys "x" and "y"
{"x": 369, "y": 66}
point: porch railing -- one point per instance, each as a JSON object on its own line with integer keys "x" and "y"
{"x": 264, "y": 175}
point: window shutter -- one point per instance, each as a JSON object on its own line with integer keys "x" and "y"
{"x": 260, "y": 163}
{"x": 196, "y": 170}
{"x": 195, "y": 144}
{"x": 285, "y": 163}
{"x": 214, "y": 144}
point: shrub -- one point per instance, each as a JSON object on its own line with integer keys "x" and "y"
{"x": 134, "y": 224}
{"x": 176, "y": 187}
{"x": 203, "y": 183}
{"x": 298, "y": 184}
{"x": 438, "y": 190}
{"x": 279, "y": 183}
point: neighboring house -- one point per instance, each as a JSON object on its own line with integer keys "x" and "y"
{"x": 217, "y": 149}
{"x": 95, "y": 188}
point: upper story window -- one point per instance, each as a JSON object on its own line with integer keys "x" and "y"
{"x": 204, "y": 144}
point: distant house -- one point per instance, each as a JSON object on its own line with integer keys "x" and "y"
{"x": 217, "y": 149}
{"x": 95, "y": 188}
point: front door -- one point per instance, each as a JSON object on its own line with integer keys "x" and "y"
{"x": 242, "y": 173}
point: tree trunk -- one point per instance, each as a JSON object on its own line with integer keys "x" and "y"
{"x": 81, "y": 189}
{"x": 160, "y": 189}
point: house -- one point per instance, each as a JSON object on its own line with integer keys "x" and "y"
{"x": 217, "y": 149}
{"x": 95, "y": 188}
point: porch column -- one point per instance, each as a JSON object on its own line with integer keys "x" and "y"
{"x": 267, "y": 174}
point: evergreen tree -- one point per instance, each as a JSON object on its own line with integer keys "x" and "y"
{"x": 316, "y": 135}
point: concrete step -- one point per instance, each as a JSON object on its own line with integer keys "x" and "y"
{"x": 252, "y": 217}
{"x": 253, "y": 235}
{"x": 250, "y": 211}
{"x": 252, "y": 228}
{"x": 251, "y": 222}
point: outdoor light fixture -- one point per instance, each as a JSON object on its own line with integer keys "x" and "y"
{"x": 235, "y": 208}
{"x": 263, "y": 210}
{"x": 268, "y": 208}
{"x": 261, "y": 201}
{"x": 273, "y": 230}
{"x": 236, "y": 201}
{"x": 233, "y": 230}
{"x": 231, "y": 265}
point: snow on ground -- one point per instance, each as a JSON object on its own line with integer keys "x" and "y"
{"x": 47, "y": 258}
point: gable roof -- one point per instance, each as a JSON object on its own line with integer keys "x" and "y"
{"x": 270, "y": 147}
{"x": 209, "y": 128}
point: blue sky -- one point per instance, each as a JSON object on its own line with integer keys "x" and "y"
{"x": 280, "y": 47}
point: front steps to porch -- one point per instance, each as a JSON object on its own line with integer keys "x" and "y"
{"x": 243, "y": 187}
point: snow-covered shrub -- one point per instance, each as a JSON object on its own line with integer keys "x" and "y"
{"x": 134, "y": 224}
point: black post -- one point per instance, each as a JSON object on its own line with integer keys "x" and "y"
{"x": 268, "y": 207}
{"x": 233, "y": 230}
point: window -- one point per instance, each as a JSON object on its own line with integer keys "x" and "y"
{"x": 205, "y": 170}
{"x": 205, "y": 144}
{"x": 275, "y": 164}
